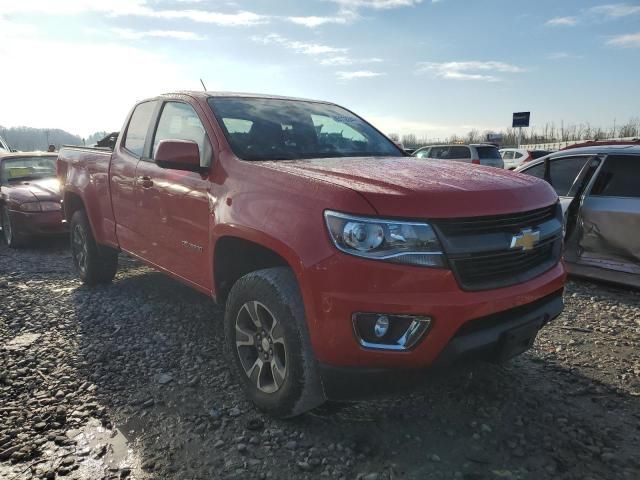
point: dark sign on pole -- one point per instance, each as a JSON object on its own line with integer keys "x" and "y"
{"x": 521, "y": 119}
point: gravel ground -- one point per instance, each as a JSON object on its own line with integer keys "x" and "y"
{"x": 128, "y": 381}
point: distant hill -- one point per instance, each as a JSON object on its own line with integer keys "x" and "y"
{"x": 27, "y": 138}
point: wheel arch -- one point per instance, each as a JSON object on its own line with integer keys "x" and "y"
{"x": 236, "y": 254}
{"x": 72, "y": 202}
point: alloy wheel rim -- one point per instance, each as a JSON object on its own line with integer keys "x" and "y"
{"x": 261, "y": 347}
{"x": 80, "y": 252}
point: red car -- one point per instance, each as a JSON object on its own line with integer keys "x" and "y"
{"x": 339, "y": 259}
{"x": 29, "y": 197}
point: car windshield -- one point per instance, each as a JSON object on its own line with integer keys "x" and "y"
{"x": 279, "y": 129}
{"x": 26, "y": 168}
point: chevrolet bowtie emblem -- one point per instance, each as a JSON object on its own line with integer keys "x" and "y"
{"x": 526, "y": 239}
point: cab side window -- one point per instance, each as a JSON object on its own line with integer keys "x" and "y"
{"x": 138, "y": 128}
{"x": 459, "y": 152}
{"x": 179, "y": 121}
{"x": 423, "y": 153}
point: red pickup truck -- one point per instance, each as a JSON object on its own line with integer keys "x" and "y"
{"x": 340, "y": 260}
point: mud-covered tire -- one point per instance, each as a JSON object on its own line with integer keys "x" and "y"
{"x": 272, "y": 292}
{"x": 95, "y": 264}
{"x": 12, "y": 237}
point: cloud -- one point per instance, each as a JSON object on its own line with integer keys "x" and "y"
{"x": 348, "y": 11}
{"x": 241, "y": 18}
{"x": 341, "y": 61}
{"x": 394, "y": 124}
{"x": 137, "y": 35}
{"x": 139, "y": 8}
{"x": 326, "y": 55}
{"x": 376, "y": 4}
{"x": 306, "y": 48}
{"x": 472, "y": 70}
{"x": 70, "y": 7}
{"x": 562, "y": 22}
{"x": 314, "y": 21}
{"x": 595, "y": 14}
{"x": 11, "y": 30}
{"x": 562, "y": 56}
{"x": 631, "y": 40}
{"x": 358, "y": 74}
{"x": 616, "y": 10}
{"x": 71, "y": 105}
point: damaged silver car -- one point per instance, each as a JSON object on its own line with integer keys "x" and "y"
{"x": 599, "y": 189}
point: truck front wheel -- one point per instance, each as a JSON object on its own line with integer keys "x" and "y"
{"x": 268, "y": 342}
{"x": 95, "y": 264}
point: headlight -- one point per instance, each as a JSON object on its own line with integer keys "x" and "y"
{"x": 50, "y": 206}
{"x": 30, "y": 207}
{"x": 408, "y": 243}
{"x": 41, "y": 207}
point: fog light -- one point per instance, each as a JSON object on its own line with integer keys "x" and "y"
{"x": 382, "y": 326}
{"x": 389, "y": 332}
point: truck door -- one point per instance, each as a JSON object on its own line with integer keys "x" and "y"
{"x": 173, "y": 204}
{"x": 610, "y": 217}
{"x": 122, "y": 175}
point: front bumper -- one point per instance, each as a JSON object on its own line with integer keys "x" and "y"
{"x": 495, "y": 337}
{"x": 37, "y": 223}
{"x": 341, "y": 285}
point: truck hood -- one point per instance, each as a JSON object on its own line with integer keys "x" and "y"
{"x": 42, "y": 190}
{"x": 411, "y": 187}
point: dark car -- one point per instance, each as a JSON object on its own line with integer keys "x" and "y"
{"x": 29, "y": 197}
{"x": 599, "y": 189}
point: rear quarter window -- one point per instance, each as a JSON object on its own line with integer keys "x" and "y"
{"x": 138, "y": 128}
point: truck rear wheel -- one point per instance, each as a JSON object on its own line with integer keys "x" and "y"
{"x": 267, "y": 340}
{"x": 95, "y": 264}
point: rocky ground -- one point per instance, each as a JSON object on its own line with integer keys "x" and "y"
{"x": 129, "y": 381}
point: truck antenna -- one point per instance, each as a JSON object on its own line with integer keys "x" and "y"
{"x": 205, "y": 88}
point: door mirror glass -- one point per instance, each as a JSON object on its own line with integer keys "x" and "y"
{"x": 178, "y": 155}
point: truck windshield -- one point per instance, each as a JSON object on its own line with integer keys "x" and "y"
{"x": 26, "y": 168}
{"x": 279, "y": 129}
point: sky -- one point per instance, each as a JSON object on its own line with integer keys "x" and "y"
{"x": 428, "y": 67}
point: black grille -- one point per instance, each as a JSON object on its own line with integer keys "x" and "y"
{"x": 479, "y": 248}
{"x": 511, "y": 223}
{"x": 484, "y": 271}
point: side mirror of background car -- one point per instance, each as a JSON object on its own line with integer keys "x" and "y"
{"x": 178, "y": 155}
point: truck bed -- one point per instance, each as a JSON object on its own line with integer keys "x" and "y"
{"x": 84, "y": 175}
